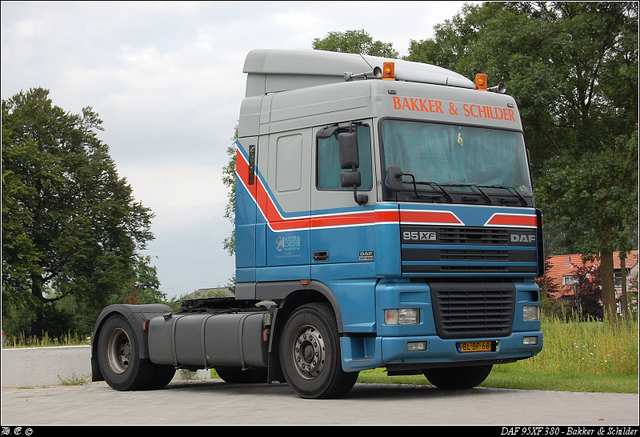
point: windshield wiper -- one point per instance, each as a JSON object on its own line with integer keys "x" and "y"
{"x": 415, "y": 188}
{"x": 477, "y": 187}
{"x": 449, "y": 198}
{"x": 486, "y": 196}
{"x": 398, "y": 174}
{"x": 522, "y": 199}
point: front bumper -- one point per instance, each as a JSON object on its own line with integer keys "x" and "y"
{"x": 362, "y": 353}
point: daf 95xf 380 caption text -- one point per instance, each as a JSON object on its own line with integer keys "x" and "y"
{"x": 384, "y": 218}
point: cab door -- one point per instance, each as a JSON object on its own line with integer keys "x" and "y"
{"x": 287, "y": 203}
{"x": 342, "y": 232}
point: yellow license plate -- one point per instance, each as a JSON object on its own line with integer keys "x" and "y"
{"x": 476, "y": 346}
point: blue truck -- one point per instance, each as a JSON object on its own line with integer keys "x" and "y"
{"x": 385, "y": 218}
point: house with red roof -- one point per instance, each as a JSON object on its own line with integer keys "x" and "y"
{"x": 562, "y": 269}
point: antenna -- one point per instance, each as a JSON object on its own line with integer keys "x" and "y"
{"x": 365, "y": 60}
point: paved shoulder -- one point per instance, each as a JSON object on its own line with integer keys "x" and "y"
{"x": 213, "y": 402}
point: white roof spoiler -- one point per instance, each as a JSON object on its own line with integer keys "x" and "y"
{"x": 305, "y": 68}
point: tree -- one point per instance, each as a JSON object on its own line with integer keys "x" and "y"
{"x": 572, "y": 67}
{"x": 354, "y": 41}
{"x": 144, "y": 285}
{"x": 588, "y": 288}
{"x": 229, "y": 180}
{"x": 70, "y": 225}
{"x": 594, "y": 200}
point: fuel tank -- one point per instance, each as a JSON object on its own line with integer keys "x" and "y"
{"x": 198, "y": 341}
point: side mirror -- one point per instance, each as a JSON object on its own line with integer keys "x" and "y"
{"x": 394, "y": 178}
{"x": 348, "y": 145}
{"x": 349, "y": 159}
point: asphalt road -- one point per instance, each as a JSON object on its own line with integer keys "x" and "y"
{"x": 212, "y": 402}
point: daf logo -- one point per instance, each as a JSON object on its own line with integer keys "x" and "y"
{"x": 523, "y": 238}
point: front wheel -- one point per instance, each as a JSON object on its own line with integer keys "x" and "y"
{"x": 458, "y": 378}
{"x": 310, "y": 354}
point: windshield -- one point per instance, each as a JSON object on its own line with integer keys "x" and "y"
{"x": 438, "y": 155}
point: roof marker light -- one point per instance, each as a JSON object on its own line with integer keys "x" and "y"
{"x": 388, "y": 71}
{"x": 481, "y": 82}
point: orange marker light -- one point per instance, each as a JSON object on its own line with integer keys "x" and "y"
{"x": 481, "y": 82}
{"x": 388, "y": 71}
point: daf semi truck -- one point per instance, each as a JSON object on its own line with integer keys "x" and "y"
{"x": 385, "y": 218}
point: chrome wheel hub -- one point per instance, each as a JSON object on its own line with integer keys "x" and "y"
{"x": 119, "y": 351}
{"x": 309, "y": 352}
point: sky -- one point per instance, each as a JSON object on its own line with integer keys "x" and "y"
{"x": 166, "y": 79}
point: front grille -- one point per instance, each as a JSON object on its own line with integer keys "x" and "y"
{"x": 473, "y": 310}
{"x": 478, "y": 236}
{"x": 432, "y": 250}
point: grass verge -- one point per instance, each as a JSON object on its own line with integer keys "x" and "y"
{"x": 562, "y": 382}
{"x": 524, "y": 381}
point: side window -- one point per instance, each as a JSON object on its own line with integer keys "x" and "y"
{"x": 289, "y": 163}
{"x": 328, "y": 161}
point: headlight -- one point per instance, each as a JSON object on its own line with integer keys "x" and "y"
{"x": 402, "y": 316}
{"x": 531, "y": 313}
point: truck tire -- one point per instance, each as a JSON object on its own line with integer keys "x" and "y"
{"x": 458, "y": 378}
{"x": 161, "y": 377}
{"x": 310, "y": 354}
{"x": 120, "y": 362}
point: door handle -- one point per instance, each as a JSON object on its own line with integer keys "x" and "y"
{"x": 321, "y": 256}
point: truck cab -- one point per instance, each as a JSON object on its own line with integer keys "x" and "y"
{"x": 385, "y": 210}
{"x": 433, "y": 239}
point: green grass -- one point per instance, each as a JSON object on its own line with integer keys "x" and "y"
{"x": 586, "y": 348}
{"x": 562, "y": 382}
{"x": 499, "y": 378}
{"x": 69, "y": 339}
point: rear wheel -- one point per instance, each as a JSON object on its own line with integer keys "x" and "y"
{"x": 458, "y": 378}
{"x": 120, "y": 362}
{"x": 162, "y": 376}
{"x": 310, "y": 354}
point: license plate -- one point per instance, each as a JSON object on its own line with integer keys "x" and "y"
{"x": 476, "y": 346}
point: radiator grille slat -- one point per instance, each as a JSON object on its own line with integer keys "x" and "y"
{"x": 473, "y": 310}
